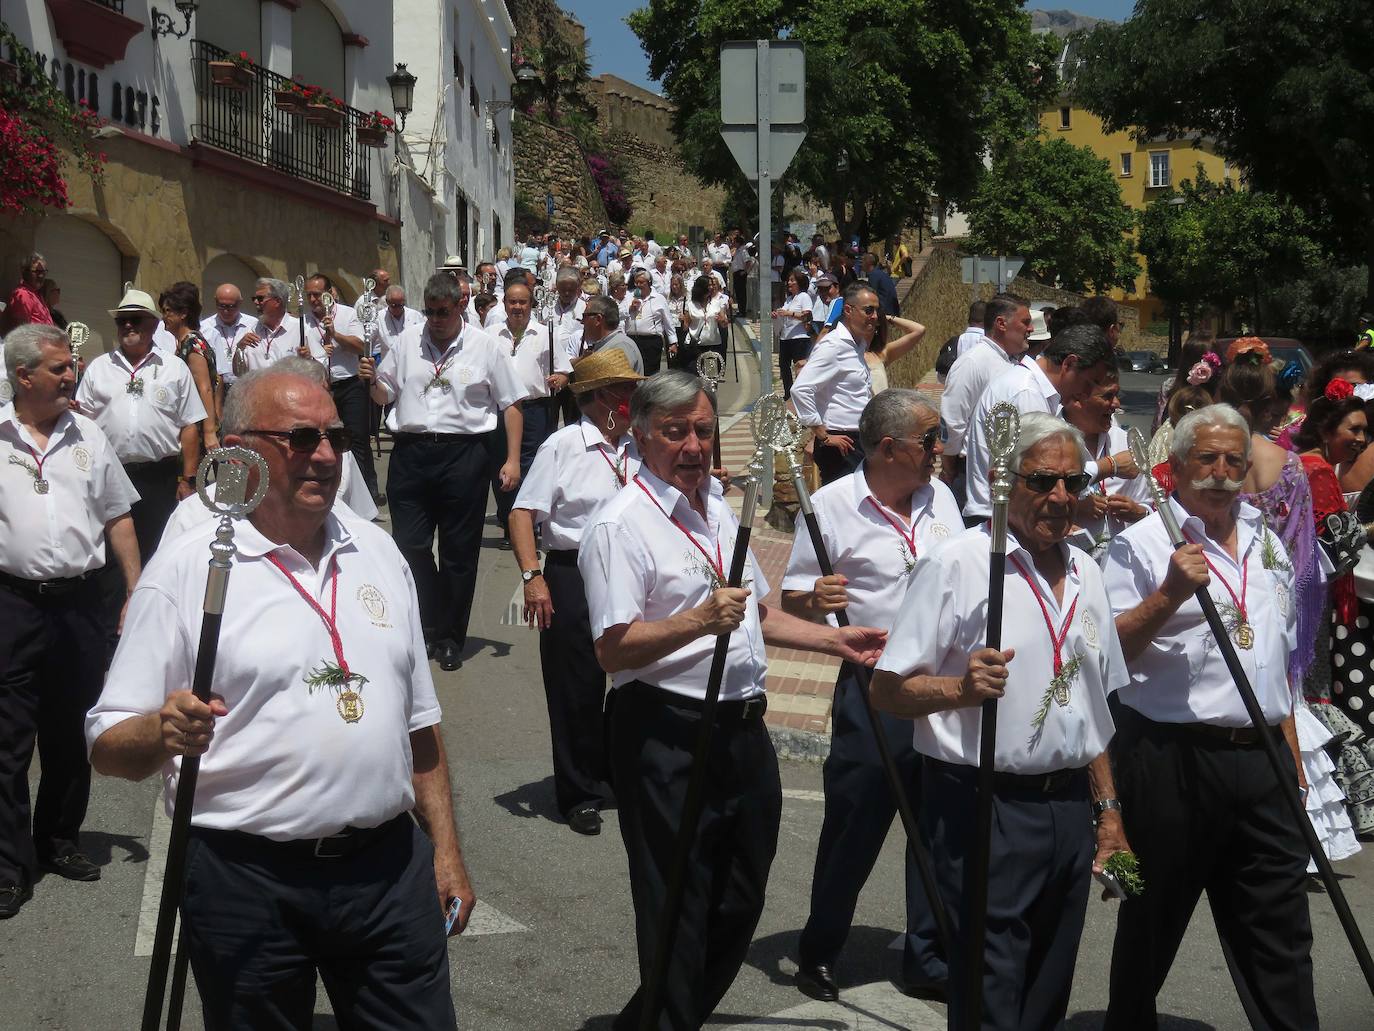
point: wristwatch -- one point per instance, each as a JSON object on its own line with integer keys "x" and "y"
{"x": 1103, "y": 804}
{"x": 529, "y": 574}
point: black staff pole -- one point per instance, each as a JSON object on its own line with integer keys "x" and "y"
{"x": 1002, "y": 428}
{"x": 1282, "y": 767}
{"x": 652, "y": 995}
{"x": 231, "y": 502}
{"x": 863, "y": 678}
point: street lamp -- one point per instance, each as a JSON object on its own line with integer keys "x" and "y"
{"x": 164, "y": 25}
{"x": 402, "y": 85}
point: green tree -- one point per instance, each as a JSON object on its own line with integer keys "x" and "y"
{"x": 1283, "y": 89}
{"x": 913, "y": 92}
{"x": 1059, "y": 206}
{"x": 562, "y": 71}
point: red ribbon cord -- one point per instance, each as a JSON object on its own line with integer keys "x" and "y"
{"x": 38, "y": 461}
{"x": 615, "y": 467}
{"x": 909, "y": 537}
{"x": 1063, "y": 635}
{"x": 1239, "y": 602}
{"x": 326, "y": 618}
{"x": 141, "y": 362}
{"x": 718, "y": 565}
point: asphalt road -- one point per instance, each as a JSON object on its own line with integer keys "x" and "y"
{"x": 552, "y": 944}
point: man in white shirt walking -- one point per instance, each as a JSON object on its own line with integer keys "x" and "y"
{"x": 225, "y": 329}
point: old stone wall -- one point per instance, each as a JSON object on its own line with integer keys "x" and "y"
{"x": 548, "y": 159}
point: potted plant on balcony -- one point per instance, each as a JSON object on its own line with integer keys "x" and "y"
{"x": 373, "y": 130}
{"x": 235, "y": 72}
{"x": 324, "y": 109}
{"x": 293, "y": 97}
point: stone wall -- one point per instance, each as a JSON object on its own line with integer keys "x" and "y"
{"x": 548, "y": 159}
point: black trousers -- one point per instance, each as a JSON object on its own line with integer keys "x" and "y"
{"x": 791, "y": 350}
{"x": 1203, "y": 814}
{"x": 859, "y": 810}
{"x": 440, "y": 486}
{"x": 53, "y": 651}
{"x": 537, "y": 429}
{"x": 261, "y": 922}
{"x": 575, "y": 689}
{"x": 651, "y": 349}
{"x": 831, "y": 464}
{"x": 156, "y": 483}
{"x": 652, "y": 741}
{"x": 355, "y": 412}
{"x": 1038, "y": 884}
{"x": 739, "y": 282}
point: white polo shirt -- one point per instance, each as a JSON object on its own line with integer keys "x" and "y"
{"x": 459, "y": 388}
{"x": 637, "y": 565}
{"x": 943, "y": 619}
{"x": 1181, "y": 676}
{"x": 574, "y": 471}
{"x": 872, "y": 546}
{"x": 390, "y": 328}
{"x": 283, "y": 763}
{"x": 531, "y": 356}
{"x": 1027, "y": 389}
{"x": 61, "y": 533}
{"x": 1097, "y": 533}
{"x": 567, "y": 325}
{"x": 143, "y": 426}
{"x": 653, "y": 317}
{"x": 968, "y": 377}
{"x": 343, "y": 362}
{"x": 223, "y": 338}
{"x": 273, "y": 344}
{"x": 969, "y": 339}
{"x": 796, "y": 329}
{"x": 835, "y": 384}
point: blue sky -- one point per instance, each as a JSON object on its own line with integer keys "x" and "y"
{"x": 613, "y": 47}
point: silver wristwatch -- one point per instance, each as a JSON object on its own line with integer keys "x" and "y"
{"x": 1103, "y": 804}
{"x": 530, "y": 574}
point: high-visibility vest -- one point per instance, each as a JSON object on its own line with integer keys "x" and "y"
{"x": 1365, "y": 339}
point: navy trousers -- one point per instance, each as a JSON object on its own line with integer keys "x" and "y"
{"x": 859, "y": 811}
{"x": 538, "y": 426}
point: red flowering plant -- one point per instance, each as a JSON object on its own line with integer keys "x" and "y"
{"x": 241, "y": 60}
{"x": 377, "y": 120}
{"x": 40, "y": 131}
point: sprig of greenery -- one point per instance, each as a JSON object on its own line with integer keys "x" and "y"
{"x": 1125, "y": 867}
{"x": 331, "y": 674}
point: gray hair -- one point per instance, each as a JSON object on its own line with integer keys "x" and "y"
{"x": 276, "y": 288}
{"x": 24, "y": 347}
{"x": 1037, "y": 427}
{"x": 242, "y": 404}
{"x": 568, "y": 274}
{"x": 32, "y": 260}
{"x": 398, "y": 291}
{"x": 614, "y": 280}
{"x": 665, "y": 391}
{"x": 444, "y": 286}
{"x": 891, "y": 413}
{"x": 1207, "y": 417}
{"x": 606, "y": 308}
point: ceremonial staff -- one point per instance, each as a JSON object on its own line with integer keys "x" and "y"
{"x": 366, "y": 310}
{"x": 711, "y": 369}
{"x": 652, "y": 997}
{"x": 78, "y": 333}
{"x": 1002, "y": 427}
{"x": 1282, "y": 768}
{"x": 544, "y": 313}
{"x": 300, "y": 314}
{"x": 231, "y": 502}
{"x": 785, "y": 433}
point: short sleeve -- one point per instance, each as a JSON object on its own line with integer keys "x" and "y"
{"x": 922, "y": 632}
{"x": 538, "y": 487}
{"x": 114, "y": 491}
{"x": 614, "y": 577}
{"x": 424, "y": 702}
{"x": 191, "y": 409}
{"x": 387, "y": 372}
{"x": 1126, "y": 580}
{"x": 506, "y": 385}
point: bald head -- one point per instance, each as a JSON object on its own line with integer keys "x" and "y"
{"x": 228, "y": 302}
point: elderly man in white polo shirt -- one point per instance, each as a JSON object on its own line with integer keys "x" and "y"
{"x": 876, "y": 522}
{"x": 1059, "y": 662}
{"x": 226, "y": 328}
{"x": 275, "y": 335}
{"x": 834, "y": 385}
{"x": 654, "y": 560}
{"x": 63, "y": 493}
{"x": 1199, "y": 797}
{"x": 321, "y": 741}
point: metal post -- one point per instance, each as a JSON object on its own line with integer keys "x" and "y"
{"x": 764, "y": 78}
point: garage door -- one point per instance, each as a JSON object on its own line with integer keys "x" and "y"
{"x": 86, "y": 265}
{"x": 222, "y": 269}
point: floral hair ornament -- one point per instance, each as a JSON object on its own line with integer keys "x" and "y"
{"x": 1213, "y": 359}
{"x": 1364, "y": 391}
{"x": 1291, "y": 375}
{"x": 1252, "y": 349}
{"x": 1338, "y": 390}
{"x": 1201, "y": 372}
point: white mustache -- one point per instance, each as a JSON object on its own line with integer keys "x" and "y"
{"x": 1218, "y": 483}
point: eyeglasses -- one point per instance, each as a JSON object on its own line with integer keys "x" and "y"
{"x": 314, "y": 295}
{"x": 305, "y": 439}
{"x": 867, "y": 309}
{"x": 129, "y": 320}
{"x": 222, "y": 306}
{"x": 926, "y": 440}
{"x": 395, "y": 304}
{"x": 437, "y": 313}
{"x": 260, "y": 298}
{"x": 1044, "y": 482}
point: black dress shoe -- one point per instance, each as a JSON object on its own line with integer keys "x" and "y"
{"x": 12, "y": 899}
{"x": 448, "y": 655}
{"x": 586, "y": 820}
{"x": 817, "y": 981}
{"x": 74, "y": 867}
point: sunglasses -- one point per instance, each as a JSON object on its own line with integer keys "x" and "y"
{"x": 1043, "y": 483}
{"x": 926, "y": 440}
{"x": 395, "y": 304}
{"x": 260, "y": 298}
{"x": 225, "y": 307}
{"x": 436, "y": 313}
{"x": 305, "y": 439}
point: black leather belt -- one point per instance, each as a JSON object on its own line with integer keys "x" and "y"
{"x": 1227, "y": 735}
{"x": 48, "y": 588}
{"x": 1045, "y": 783}
{"x": 739, "y": 710}
{"x": 348, "y": 842}
{"x": 561, "y": 557}
{"x": 434, "y": 438}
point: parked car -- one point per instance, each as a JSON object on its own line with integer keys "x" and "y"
{"x": 1141, "y": 361}
{"x": 1281, "y": 349}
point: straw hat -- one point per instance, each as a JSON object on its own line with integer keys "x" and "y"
{"x": 601, "y": 369}
{"x": 136, "y": 302}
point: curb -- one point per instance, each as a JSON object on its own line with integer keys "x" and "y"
{"x": 800, "y": 745}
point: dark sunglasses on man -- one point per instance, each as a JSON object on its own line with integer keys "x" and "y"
{"x": 1043, "y": 483}
{"x": 305, "y": 439}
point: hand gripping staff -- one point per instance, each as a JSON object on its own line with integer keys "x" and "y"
{"x": 1283, "y": 768}
{"x": 232, "y": 501}
{"x": 784, "y": 432}
{"x": 652, "y": 998}
{"x": 1002, "y": 428}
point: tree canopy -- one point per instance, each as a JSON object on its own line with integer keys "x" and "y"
{"x": 1058, "y": 206}
{"x": 1283, "y": 89}
{"x": 913, "y": 92}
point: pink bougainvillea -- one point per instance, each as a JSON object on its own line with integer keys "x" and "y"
{"x": 611, "y": 187}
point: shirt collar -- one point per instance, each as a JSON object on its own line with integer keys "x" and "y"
{"x": 153, "y": 357}
{"x": 922, "y": 498}
{"x": 669, "y": 497}
{"x": 1015, "y": 548}
{"x": 1249, "y": 526}
{"x": 251, "y": 543}
{"x": 592, "y": 438}
{"x": 841, "y": 332}
{"x": 65, "y": 426}
{"x": 1042, "y": 381}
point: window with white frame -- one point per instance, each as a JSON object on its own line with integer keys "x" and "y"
{"x": 1159, "y": 169}
{"x": 1126, "y": 164}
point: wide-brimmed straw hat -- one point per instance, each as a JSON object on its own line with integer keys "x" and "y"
{"x": 135, "y": 302}
{"x": 601, "y": 369}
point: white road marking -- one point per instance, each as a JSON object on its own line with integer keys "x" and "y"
{"x": 487, "y": 919}
{"x": 872, "y": 1007}
{"x": 799, "y": 795}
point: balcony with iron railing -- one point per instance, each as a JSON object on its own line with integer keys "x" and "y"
{"x": 254, "y": 118}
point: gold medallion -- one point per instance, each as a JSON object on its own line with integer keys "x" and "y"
{"x": 350, "y": 706}
{"x": 1245, "y": 636}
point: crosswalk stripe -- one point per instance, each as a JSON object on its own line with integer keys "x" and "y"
{"x": 871, "y": 1007}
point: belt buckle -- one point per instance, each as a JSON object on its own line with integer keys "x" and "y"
{"x": 320, "y": 843}
{"x": 753, "y": 707}
{"x": 44, "y": 587}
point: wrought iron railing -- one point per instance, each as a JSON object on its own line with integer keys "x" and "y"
{"x": 245, "y": 120}
{"x": 114, "y": 5}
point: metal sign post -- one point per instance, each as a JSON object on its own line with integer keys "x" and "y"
{"x": 982, "y": 268}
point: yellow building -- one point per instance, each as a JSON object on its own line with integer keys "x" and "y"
{"x": 1145, "y": 169}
